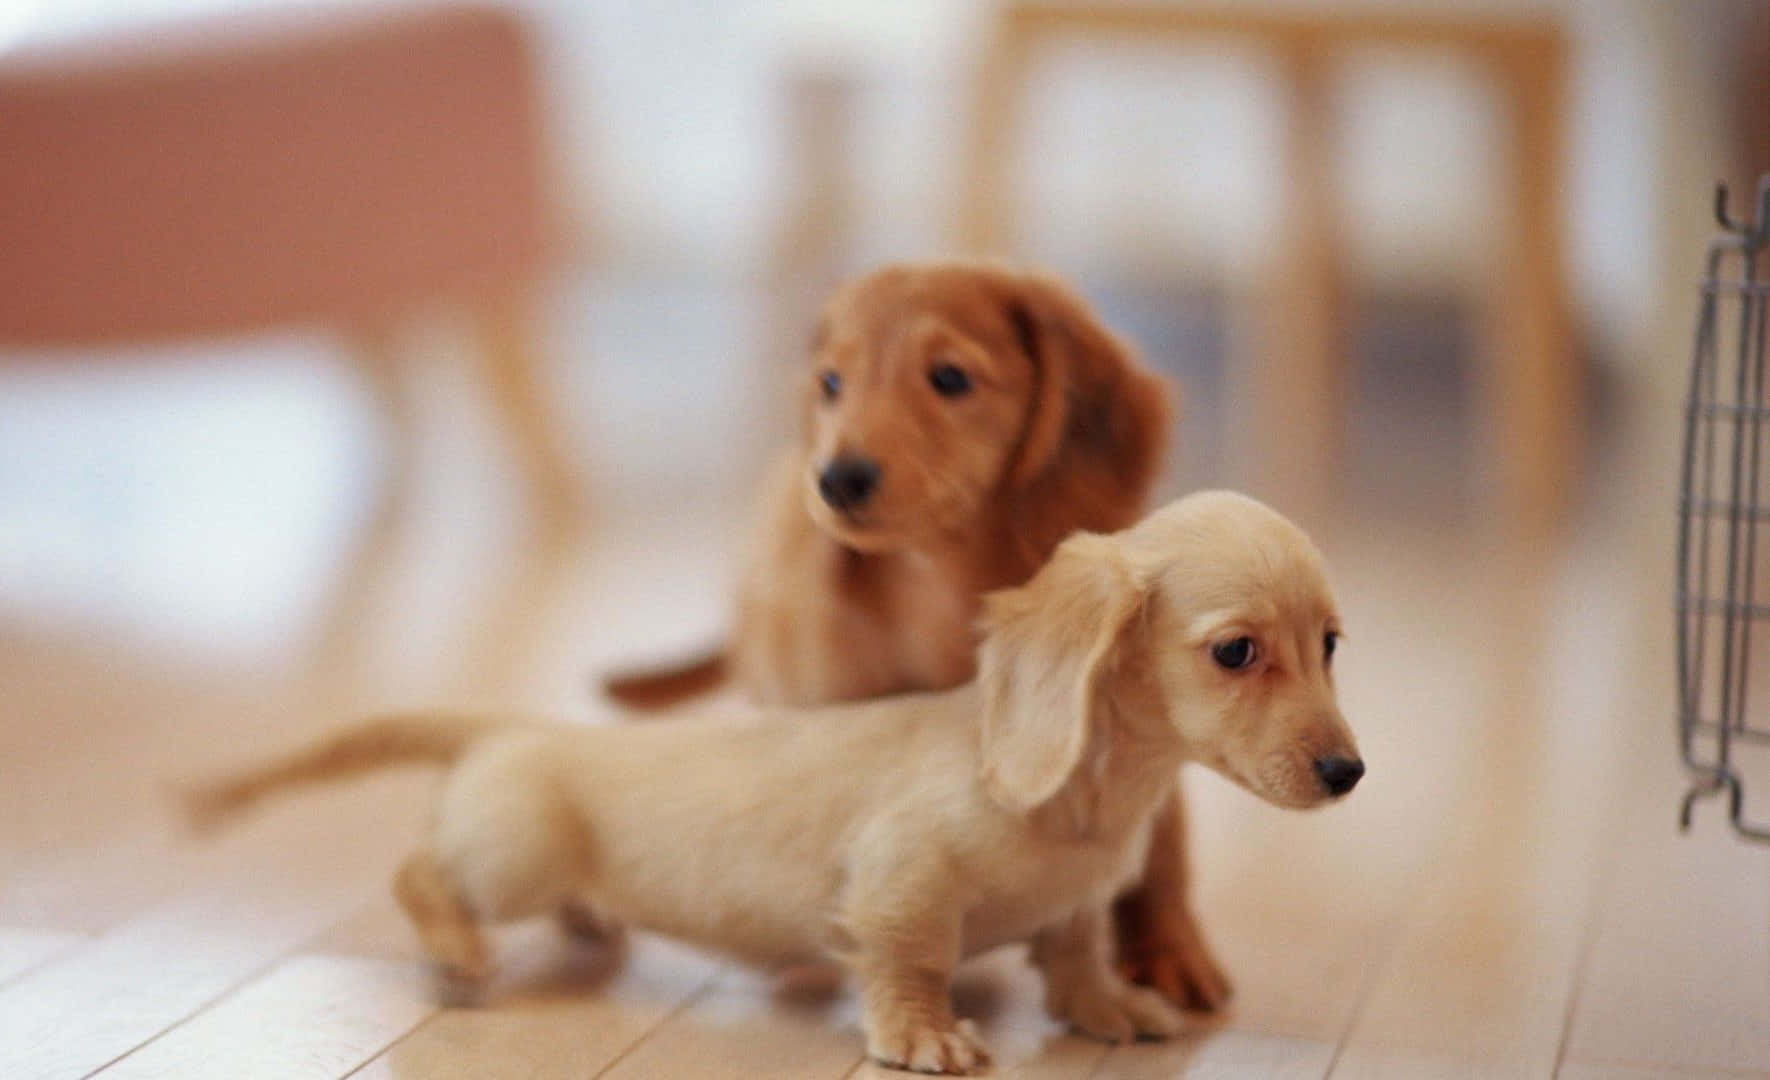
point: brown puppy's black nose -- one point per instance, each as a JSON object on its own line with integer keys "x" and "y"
{"x": 846, "y": 482}
{"x": 1338, "y": 774}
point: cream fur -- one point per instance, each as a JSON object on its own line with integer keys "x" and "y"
{"x": 901, "y": 835}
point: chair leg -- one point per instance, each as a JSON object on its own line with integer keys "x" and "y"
{"x": 805, "y": 260}
{"x": 1533, "y": 413}
{"x": 384, "y": 368}
{"x": 510, "y": 369}
{"x": 983, "y": 218}
{"x": 355, "y": 595}
{"x": 1293, "y": 385}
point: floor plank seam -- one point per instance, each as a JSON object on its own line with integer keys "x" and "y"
{"x": 186, "y": 1018}
{"x": 396, "y": 1041}
{"x": 1582, "y": 959}
{"x": 45, "y": 960}
{"x": 1367, "y": 983}
{"x": 230, "y": 989}
{"x": 700, "y": 992}
{"x": 1649, "y": 1066}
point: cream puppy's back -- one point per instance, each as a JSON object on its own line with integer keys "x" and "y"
{"x": 731, "y": 830}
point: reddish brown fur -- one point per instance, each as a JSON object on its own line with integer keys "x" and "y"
{"x": 1063, "y": 430}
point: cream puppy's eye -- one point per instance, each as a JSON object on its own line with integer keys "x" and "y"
{"x": 831, "y": 385}
{"x": 1234, "y": 654}
{"x": 1329, "y": 642}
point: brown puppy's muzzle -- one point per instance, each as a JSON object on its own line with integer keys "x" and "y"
{"x": 847, "y": 482}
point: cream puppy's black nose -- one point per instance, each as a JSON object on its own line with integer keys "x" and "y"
{"x": 1339, "y": 775}
{"x": 846, "y": 482}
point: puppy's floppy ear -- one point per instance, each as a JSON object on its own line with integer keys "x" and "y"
{"x": 1096, "y": 428}
{"x": 1046, "y": 647}
{"x": 1092, "y": 394}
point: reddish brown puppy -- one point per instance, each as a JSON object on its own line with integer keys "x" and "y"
{"x": 960, "y": 419}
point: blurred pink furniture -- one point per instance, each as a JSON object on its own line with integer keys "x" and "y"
{"x": 325, "y": 167}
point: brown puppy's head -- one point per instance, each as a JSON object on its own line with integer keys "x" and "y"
{"x": 943, "y": 392}
{"x": 1209, "y": 624}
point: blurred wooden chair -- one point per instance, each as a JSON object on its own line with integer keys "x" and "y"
{"x": 1292, "y": 397}
{"x": 328, "y": 168}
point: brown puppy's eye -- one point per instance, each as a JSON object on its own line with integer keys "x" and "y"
{"x": 1329, "y": 642}
{"x": 1234, "y": 654}
{"x": 948, "y": 380}
{"x": 831, "y": 384}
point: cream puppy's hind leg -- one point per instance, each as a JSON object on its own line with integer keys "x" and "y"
{"x": 504, "y": 845}
{"x": 1082, "y": 989}
{"x": 579, "y": 919}
{"x": 445, "y": 927}
{"x": 508, "y": 835}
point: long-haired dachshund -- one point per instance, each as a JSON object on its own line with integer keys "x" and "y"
{"x": 898, "y": 836}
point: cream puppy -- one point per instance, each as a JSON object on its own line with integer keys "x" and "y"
{"x": 902, "y": 835}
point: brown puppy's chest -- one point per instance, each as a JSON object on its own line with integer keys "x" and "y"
{"x": 902, "y": 623}
{"x": 925, "y": 621}
{"x": 862, "y": 626}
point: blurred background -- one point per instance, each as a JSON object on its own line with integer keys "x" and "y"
{"x": 355, "y": 354}
{"x": 1301, "y": 230}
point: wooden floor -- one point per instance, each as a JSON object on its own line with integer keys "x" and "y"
{"x": 1506, "y": 895}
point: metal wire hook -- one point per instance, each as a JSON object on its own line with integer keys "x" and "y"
{"x": 1756, "y": 231}
{"x": 1763, "y": 210}
{"x": 1721, "y": 216}
{"x": 1702, "y": 789}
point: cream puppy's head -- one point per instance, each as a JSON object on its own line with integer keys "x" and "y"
{"x": 1208, "y": 626}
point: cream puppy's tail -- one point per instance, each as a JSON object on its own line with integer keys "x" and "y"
{"x": 376, "y": 743}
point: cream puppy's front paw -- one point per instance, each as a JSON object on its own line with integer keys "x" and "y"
{"x": 927, "y": 1048}
{"x": 1120, "y": 1014}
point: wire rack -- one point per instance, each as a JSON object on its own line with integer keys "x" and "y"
{"x": 1723, "y": 509}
